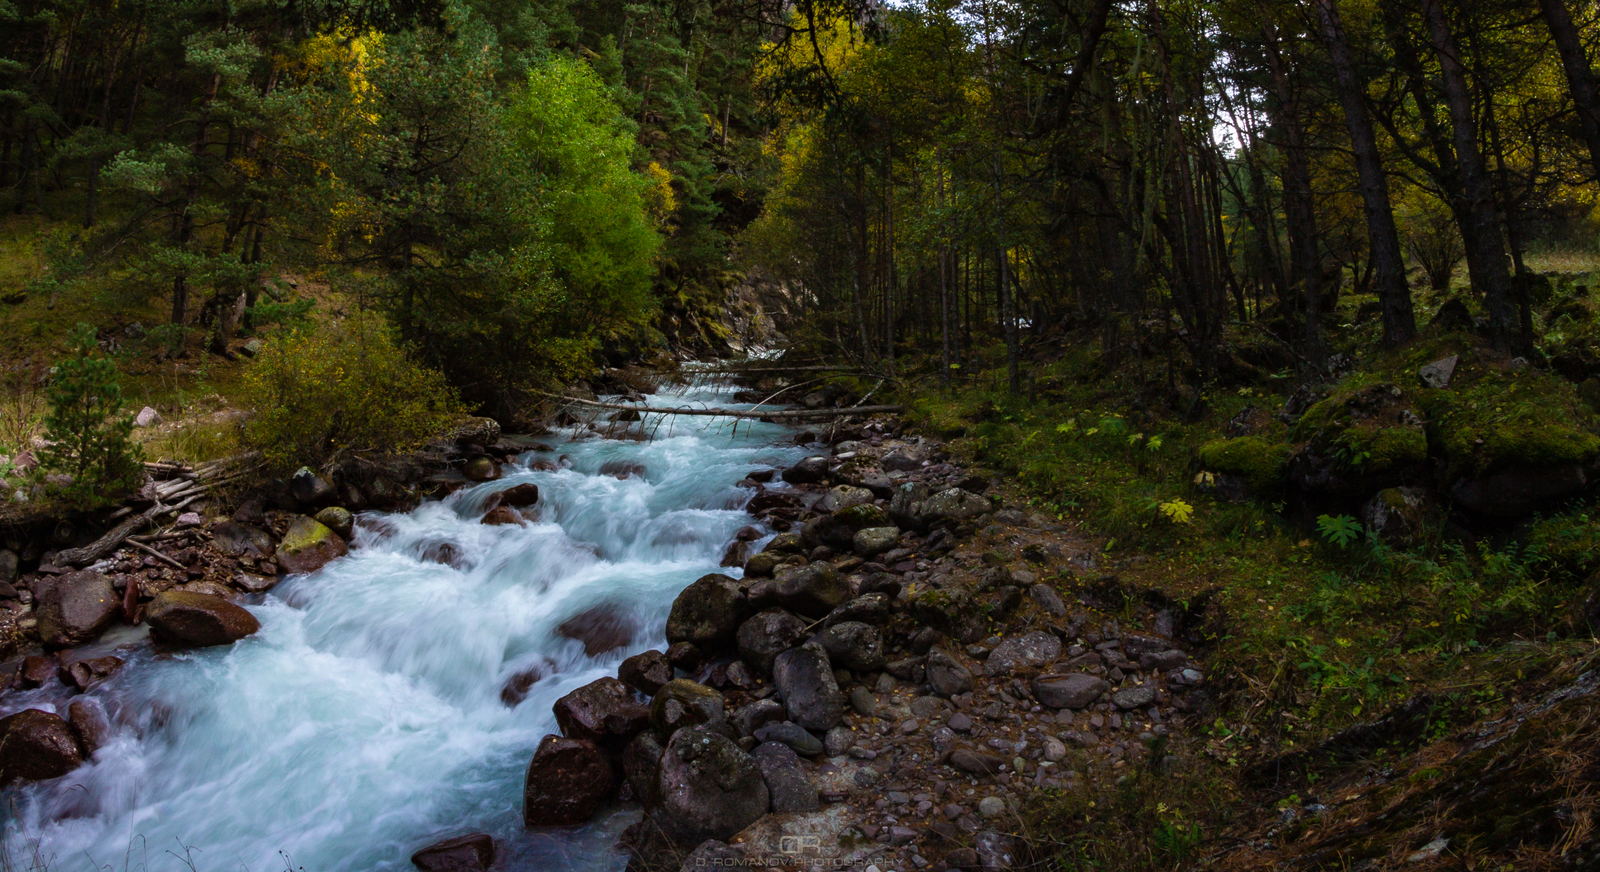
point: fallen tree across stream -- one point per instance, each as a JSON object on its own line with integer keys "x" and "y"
{"x": 768, "y": 415}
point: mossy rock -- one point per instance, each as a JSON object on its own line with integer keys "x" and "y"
{"x": 1360, "y": 439}
{"x": 308, "y": 545}
{"x": 1518, "y": 418}
{"x": 1258, "y": 460}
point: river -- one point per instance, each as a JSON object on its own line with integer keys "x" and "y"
{"x": 365, "y": 719}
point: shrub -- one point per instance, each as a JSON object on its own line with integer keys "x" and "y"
{"x": 88, "y": 436}
{"x": 322, "y": 394}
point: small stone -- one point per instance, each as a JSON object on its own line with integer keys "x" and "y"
{"x": 1437, "y": 374}
{"x": 863, "y": 701}
{"x": 147, "y": 417}
{"x": 838, "y": 741}
{"x": 1138, "y": 696}
{"x": 960, "y": 723}
{"x": 991, "y": 806}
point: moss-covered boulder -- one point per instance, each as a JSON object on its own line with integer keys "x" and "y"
{"x": 1398, "y": 516}
{"x": 1257, "y": 463}
{"x": 308, "y": 545}
{"x": 1359, "y": 440}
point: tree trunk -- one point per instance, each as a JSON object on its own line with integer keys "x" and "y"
{"x": 1480, "y": 221}
{"x": 1299, "y": 209}
{"x": 1580, "y": 78}
{"x": 1383, "y": 239}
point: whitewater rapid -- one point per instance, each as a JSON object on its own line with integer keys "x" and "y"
{"x": 365, "y": 719}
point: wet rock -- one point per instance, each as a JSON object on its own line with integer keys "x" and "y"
{"x": 685, "y": 656}
{"x": 235, "y": 539}
{"x": 1028, "y": 651}
{"x": 474, "y": 853}
{"x": 600, "y": 629}
{"x": 309, "y": 545}
{"x": 787, "y": 785}
{"x": 838, "y": 530}
{"x": 500, "y": 516}
{"x": 767, "y": 500}
{"x": 1072, "y": 691}
{"x": 646, "y": 672}
{"x": 946, "y": 675}
{"x": 35, "y": 671}
{"x": 641, "y": 766}
{"x": 623, "y": 469}
{"x": 975, "y": 762}
{"x": 337, "y": 519}
{"x": 89, "y": 722}
{"x": 901, "y": 460}
{"x": 36, "y": 746}
{"x": 708, "y": 613}
{"x": 186, "y": 619}
{"x": 842, "y": 497}
{"x": 855, "y": 646}
{"x": 812, "y": 590}
{"x": 872, "y": 608}
{"x": 517, "y": 686}
{"x": 603, "y": 711}
{"x": 872, "y": 541}
{"x": 481, "y": 468}
{"x": 757, "y": 714}
{"x": 520, "y": 496}
{"x": 312, "y": 490}
{"x": 954, "y": 504}
{"x": 793, "y": 735}
{"x": 709, "y": 788}
{"x": 804, "y": 678}
{"x": 84, "y": 674}
{"x": 768, "y": 634}
{"x": 74, "y": 608}
{"x": 808, "y": 471}
{"x": 1397, "y": 515}
{"x": 683, "y": 703}
{"x": 737, "y": 554}
{"x": 568, "y": 781}
{"x": 761, "y": 565}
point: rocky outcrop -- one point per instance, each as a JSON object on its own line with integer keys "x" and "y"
{"x": 196, "y": 620}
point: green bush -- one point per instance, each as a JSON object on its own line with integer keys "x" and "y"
{"x": 89, "y": 438}
{"x": 322, "y": 394}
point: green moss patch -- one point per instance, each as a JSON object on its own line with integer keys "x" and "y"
{"x": 1367, "y": 429}
{"x": 1512, "y": 418}
{"x": 1259, "y": 460}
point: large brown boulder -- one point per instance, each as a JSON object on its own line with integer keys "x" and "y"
{"x": 474, "y": 853}
{"x": 197, "y": 620}
{"x": 567, "y": 782}
{"x": 602, "y": 711}
{"x": 308, "y": 545}
{"x": 36, "y": 746}
{"x": 74, "y": 608}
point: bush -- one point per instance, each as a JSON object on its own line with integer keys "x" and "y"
{"x": 88, "y": 436}
{"x": 322, "y": 394}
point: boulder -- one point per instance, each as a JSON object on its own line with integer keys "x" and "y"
{"x": 196, "y": 620}
{"x": 646, "y": 672}
{"x": 838, "y": 530}
{"x": 708, "y": 613}
{"x": 683, "y": 703}
{"x": 808, "y": 471}
{"x": 500, "y": 516}
{"x": 842, "y": 497}
{"x": 949, "y": 611}
{"x": 769, "y": 499}
{"x": 1437, "y": 374}
{"x": 1397, "y": 515}
{"x": 641, "y": 767}
{"x": 1518, "y": 490}
{"x": 477, "y": 431}
{"x": 1048, "y": 600}
{"x": 481, "y": 468}
{"x": 872, "y": 608}
{"x": 600, "y": 629}
{"x": 954, "y": 504}
{"x": 603, "y": 711}
{"x": 567, "y": 782}
{"x": 905, "y": 506}
{"x": 311, "y": 490}
{"x": 89, "y": 722}
{"x": 74, "y": 608}
{"x": 85, "y": 674}
{"x": 242, "y": 540}
{"x": 36, "y": 746}
{"x": 147, "y": 417}
{"x": 805, "y": 681}
{"x": 855, "y": 646}
{"x": 1028, "y": 651}
{"x": 520, "y": 496}
{"x": 946, "y": 675}
{"x": 755, "y": 715}
{"x": 339, "y": 520}
{"x": 768, "y": 634}
{"x": 901, "y": 460}
{"x": 708, "y": 787}
{"x": 308, "y": 545}
{"x": 812, "y": 590}
{"x": 786, "y": 780}
{"x": 474, "y": 853}
{"x": 872, "y": 541}
{"x": 1072, "y": 691}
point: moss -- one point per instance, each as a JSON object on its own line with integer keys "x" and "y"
{"x": 1366, "y": 427}
{"x": 1259, "y": 460}
{"x": 1565, "y": 547}
{"x": 1512, "y": 418}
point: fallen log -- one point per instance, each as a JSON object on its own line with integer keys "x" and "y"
{"x": 771, "y": 414}
{"x": 105, "y": 545}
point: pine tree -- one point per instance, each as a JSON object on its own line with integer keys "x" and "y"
{"x": 89, "y": 437}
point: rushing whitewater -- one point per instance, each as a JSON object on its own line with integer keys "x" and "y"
{"x": 365, "y": 719}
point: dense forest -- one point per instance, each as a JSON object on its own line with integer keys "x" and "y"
{"x": 1286, "y": 306}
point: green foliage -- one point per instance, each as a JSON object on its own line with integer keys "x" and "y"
{"x": 1525, "y": 417}
{"x": 320, "y": 395}
{"x": 88, "y": 436}
{"x": 1339, "y": 530}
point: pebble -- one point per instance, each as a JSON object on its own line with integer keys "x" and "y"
{"x": 991, "y": 806}
{"x": 960, "y": 723}
{"x": 909, "y": 726}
